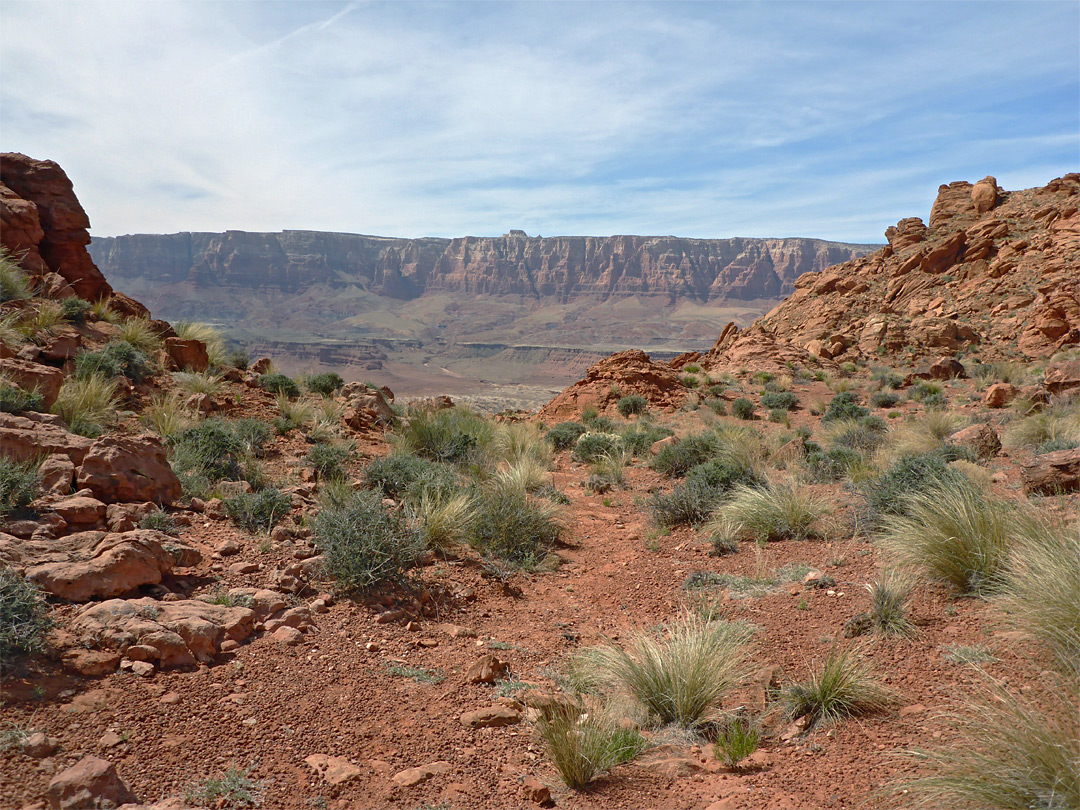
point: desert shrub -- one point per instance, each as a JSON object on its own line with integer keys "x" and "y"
{"x": 884, "y": 399}
{"x": 785, "y": 400}
{"x": 742, "y": 408}
{"x": 583, "y": 745}
{"x": 1042, "y": 589}
{"x": 393, "y": 475}
{"x": 706, "y": 485}
{"x": 886, "y": 378}
{"x": 953, "y": 533}
{"x": 324, "y": 384}
{"x": 14, "y": 399}
{"x": 210, "y": 449}
{"x": 780, "y": 416}
{"x": 87, "y": 404}
{"x": 277, "y": 383}
{"x": 683, "y": 677}
{"x": 512, "y": 527}
{"x": 591, "y": 446}
{"x": 75, "y": 309}
{"x": 117, "y": 359}
{"x": 141, "y": 334}
{"x": 886, "y": 494}
{"x": 362, "y": 542}
{"x": 737, "y": 740}
{"x": 252, "y": 433}
{"x": 678, "y": 458}
{"x": 845, "y": 405}
{"x": 258, "y": 512}
{"x": 451, "y": 435}
{"x": 24, "y": 618}
{"x": 923, "y": 389}
{"x": 888, "y": 603}
{"x": 864, "y": 435}
{"x": 233, "y": 789}
{"x": 159, "y": 521}
{"x": 716, "y": 405}
{"x": 14, "y": 285}
{"x": 19, "y": 484}
{"x": 238, "y": 358}
{"x": 294, "y": 414}
{"x": 823, "y": 466}
{"x": 599, "y": 424}
{"x": 638, "y": 438}
{"x": 563, "y": 435}
{"x": 327, "y": 460}
{"x": 689, "y": 380}
{"x": 763, "y": 514}
{"x": 632, "y": 404}
{"x": 1017, "y": 754}
{"x": 843, "y": 687}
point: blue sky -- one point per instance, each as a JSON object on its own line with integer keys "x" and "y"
{"x": 702, "y": 119}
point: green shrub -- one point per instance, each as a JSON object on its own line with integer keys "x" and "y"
{"x": 864, "y": 435}
{"x": 689, "y": 380}
{"x": 159, "y": 521}
{"x": 238, "y": 358}
{"x": 705, "y": 487}
{"x": 779, "y": 416}
{"x": 638, "y": 438}
{"x": 764, "y": 514}
{"x": 253, "y": 434}
{"x": 953, "y": 533}
{"x": 512, "y": 527}
{"x": 324, "y": 384}
{"x": 886, "y": 494}
{"x": 118, "y": 359}
{"x": 591, "y": 446}
{"x": 363, "y": 543}
{"x": 676, "y": 459}
{"x": 394, "y": 475}
{"x": 24, "y": 618}
{"x": 716, "y": 405}
{"x": 843, "y": 687}
{"x": 212, "y": 447}
{"x": 452, "y": 435}
{"x": 14, "y": 399}
{"x": 742, "y": 408}
{"x": 632, "y": 404}
{"x": 779, "y": 399}
{"x": 19, "y": 484}
{"x": 599, "y": 424}
{"x": 887, "y": 378}
{"x": 845, "y": 405}
{"x": 327, "y": 461}
{"x": 830, "y": 465}
{"x": 683, "y": 677}
{"x": 277, "y": 383}
{"x": 884, "y": 399}
{"x": 75, "y": 309}
{"x": 563, "y": 435}
{"x": 258, "y": 512}
{"x": 921, "y": 390}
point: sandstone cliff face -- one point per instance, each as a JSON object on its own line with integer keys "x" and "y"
{"x": 513, "y": 264}
{"x": 995, "y": 270}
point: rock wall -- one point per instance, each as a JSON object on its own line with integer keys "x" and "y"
{"x": 513, "y": 264}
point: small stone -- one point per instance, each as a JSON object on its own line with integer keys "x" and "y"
{"x": 414, "y": 776}
{"x": 91, "y": 782}
{"x": 243, "y": 568}
{"x": 491, "y": 717}
{"x": 289, "y": 636}
{"x": 412, "y": 627}
{"x": 915, "y": 708}
{"x": 110, "y": 739}
{"x": 169, "y": 699}
{"x": 388, "y": 616}
{"x": 144, "y": 669}
{"x": 457, "y": 631}
{"x": 318, "y": 606}
{"x": 230, "y": 645}
{"x": 537, "y": 791}
{"x": 486, "y": 669}
{"x": 429, "y": 643}
{"x": 372, "y": 646}
{"x": 38, "y": 745}
{"x": 333, "y": 770}
{"x": 228, "y": 548}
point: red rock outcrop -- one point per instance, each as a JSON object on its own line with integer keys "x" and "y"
{"x": 997, "y": 270}
{"x": 129, "y": 469}
{"x": 623, "y": 373}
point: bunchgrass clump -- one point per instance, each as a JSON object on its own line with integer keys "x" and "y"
{"x": 590, "y": 446}
{"x": 24, "y": 618}
{"x": 888, "y": 603}
{"x": 736, "y": 740}
{"x": 87, "y": 405}
{"x": 764, "y": 514}
{"x": 632, "y": 405}
{"x": 167, "y": 415}
{"x": 843, "y": 687}
{"x": 454, "y": 435}
{"x": 682, "y": 677}
{"x": 514, "y": 442}
{"x": 442, "y": 517}
{"x": 1059, "y": 423}
{"x": 140, "y": 334}
{"x": 328, "y": 461}
{"x": 19, "y": 484}
{"x": 582, "y": 745}
{"x": 678, "y": 458}
{"x": 14, "y": 285}
{"x": 14, "y": 399}
{"x": 199, "y": 382}
{"x": 258, "y": 512}
{"x": 845, "y": 405}
{"x": 362, "y": 542}
{"x": 955, "y": 534}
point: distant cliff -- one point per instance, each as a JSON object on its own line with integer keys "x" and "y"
{"x": 561, "y": 267}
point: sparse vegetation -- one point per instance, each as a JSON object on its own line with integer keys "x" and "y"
{"x": 328, "y": 460}
{"x": 258, "y": 512}
{"x": 737, "y": 740}
{"x": 159, "y": 521}
{"x": 232, "y": 789}
{"x": 888, "y": 604}
{"x": 845, "y": 405}
{"x": 591, "y": 446}
{"x": 117, "y": 359}
{"x": 564, "y": 435}
{"x": 140, "y": 334}
{"x": 14, "y": 399}
{"x": 742, "y": 408}
{"x": 632, "y": 405}
{"x": 785, "y": 400}
{"x": 23, "y": 618}
{"x": 86, "y": 404}
{"x": 582, "y": 745}
{"x": 843, "y": 687}
{"x": 763, "y": 514}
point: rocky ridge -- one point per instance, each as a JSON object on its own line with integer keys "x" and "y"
{"x": 561, "y": 267}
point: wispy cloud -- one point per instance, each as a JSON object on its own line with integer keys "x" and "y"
{"x": 700, "y": 119}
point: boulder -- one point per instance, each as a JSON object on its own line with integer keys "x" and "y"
{"x": 984, "y": 194}
{"x": 129, "y": 468}
{"x": 90, "y": 783}
{"x": 31, "y": 376}
{"x": 95, "y": 564}
{"x": 1052, "y": 473}
{"x": 946, "y": 368}
{"x": 57, "y": 473}
{"x": 79, "y": 510}
{"x": 169, "y": 634}
{"x": 1062, "y": 378}
{"x": 491, "y": 717}
{"x": 999, "y": 395}
{"x": 27, "y": 437}
{"x": 981, "y": 439}
{"x": 187, "y": 355}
